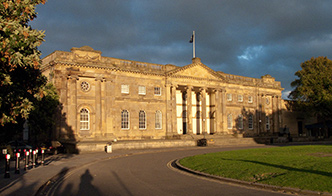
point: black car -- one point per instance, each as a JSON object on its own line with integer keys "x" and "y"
{"x": 19, "y": 146}
{"x": 53, "y": 147}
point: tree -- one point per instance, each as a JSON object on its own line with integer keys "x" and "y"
{"x": 21, "y": 80}
{"x": 41, "y": 118}
{"x": 313, "y": 88}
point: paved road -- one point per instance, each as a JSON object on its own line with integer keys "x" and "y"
{"x": 146, "y": 174}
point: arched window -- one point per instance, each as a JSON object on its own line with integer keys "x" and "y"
{"x": 142, "y": 120}
{"x": 240, "y": 121}
{"x": 159, "y": 119}
{"x": 250, "y": 122}
{"x": 84, "y": 119}
{"x": 229, "y": 121}
{"x": 124, "y": 119}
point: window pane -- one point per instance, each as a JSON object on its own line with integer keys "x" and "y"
{"x": 229, "y": 121}
{"x": 158, "y": 123}
{"x": 240, "y": 98}
{"x": 125, "y": 89}
{"x": 124, "y": 119}
{"x": 229, "y": 97}
{"x": 142, "y": 121}
{"x": 157, "y": 91}
{"x": 141, "y": 90}
{"x": 250, "y": 100}
{"x": 240, "y": 121}
{"x": 84, "y": 119}
{"x": 250, "y": 122}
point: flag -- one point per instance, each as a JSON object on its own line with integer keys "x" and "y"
{"x": 191, "y": 39}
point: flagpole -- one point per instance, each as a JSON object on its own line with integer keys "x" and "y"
{"x": 194, "y": 54}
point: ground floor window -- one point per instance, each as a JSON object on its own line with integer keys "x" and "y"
{"x": 84, "y": 119}
{"x": 240, "y": 121}
{"x": 229, "y": 121}
{"x": 250, "y": 122}
{"x": 158, "y": 122}
{"x": 124, "y": 119}
{"x": 267, "y": 119}
{"x": 142, "y": 120}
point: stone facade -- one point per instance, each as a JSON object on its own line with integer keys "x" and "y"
{"x": 105, "y": 98}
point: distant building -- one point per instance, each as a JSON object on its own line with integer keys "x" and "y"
{"x": 106, "y": 98}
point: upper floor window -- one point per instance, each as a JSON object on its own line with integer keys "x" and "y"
{"x": 240, "y": 98}
{"x": 267, "y": 101}
{"x": 157, "y": 91}
{"x": 141, "y": 90}
{"x": 142, "y": 120}
{"x": 250, "y": 99}
{"x": 125, "y": 88}
{"x": 84, "y": 119}
{"x": 85, "y": 86}
{"x": 158, "y": 121}
{"x": 229, "y": 97}
{"x": 124, "y": 119}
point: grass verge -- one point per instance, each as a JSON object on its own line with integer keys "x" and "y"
{"x": 304, "y": 167}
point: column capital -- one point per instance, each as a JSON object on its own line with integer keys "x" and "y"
{"x": 69, "y": 77}
{"x": 100, "y": 79}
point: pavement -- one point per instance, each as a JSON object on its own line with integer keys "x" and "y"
{"x": 30, "y": 181}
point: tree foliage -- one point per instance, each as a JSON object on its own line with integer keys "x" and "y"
{"x": 313, "y": 88}
{"x": 41, "y": 118}
{"x": 21, "y": 80}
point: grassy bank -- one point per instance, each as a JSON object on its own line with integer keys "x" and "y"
{"x": 304, "y": 167}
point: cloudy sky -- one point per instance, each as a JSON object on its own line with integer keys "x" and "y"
{"x": 244, "y": 37}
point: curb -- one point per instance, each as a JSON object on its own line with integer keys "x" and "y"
{"x": 177, "y": 165}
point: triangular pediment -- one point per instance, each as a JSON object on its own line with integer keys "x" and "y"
{"x": 196, "y": 71}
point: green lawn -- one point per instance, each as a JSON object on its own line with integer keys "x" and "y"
{"x": 304, "y": 167}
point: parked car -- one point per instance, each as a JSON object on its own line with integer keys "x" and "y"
{"x": 18, "y": 146}
{"x": 53, "y": 147}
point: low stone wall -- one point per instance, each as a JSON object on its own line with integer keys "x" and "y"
{"x": 100, "y": 146}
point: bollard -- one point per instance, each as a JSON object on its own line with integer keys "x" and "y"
{"x": 7, "y": 174}
{"x": 33, "y": 159}
{"x": 43, "y": 158}
{"x": 36, "y": 156}
{"x": 17, "y": 163}
{"x": 30, "y": 155}
{"x": 24, "y": 152}
{"x": 26, "y": 165}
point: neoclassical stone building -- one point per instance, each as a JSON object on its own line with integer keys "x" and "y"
{"x": 105, "y": 98}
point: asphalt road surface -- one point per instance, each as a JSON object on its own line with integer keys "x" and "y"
{"x": 147, "y": 174}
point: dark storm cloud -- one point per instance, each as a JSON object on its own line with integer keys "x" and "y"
{"x": 250, "y": 38}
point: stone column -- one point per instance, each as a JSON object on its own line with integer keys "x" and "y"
{"x": 274, "y": 114}
{"x": 189, "y": 110}
{"x": 174, "y": 115}
{"x": 203, "y": 97}
{"x": 262, "y": 114}
{"x": 99, "y": 115}
{"x": 108, "y": 109}
{"x": 217, "y": 111}
{"x": 72, "y": 107}
{"x": 223, "y": 112}
{"x": 62, "y": 115}
{"x": 169, "y": 121}
{"x": 279, "y": 111}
